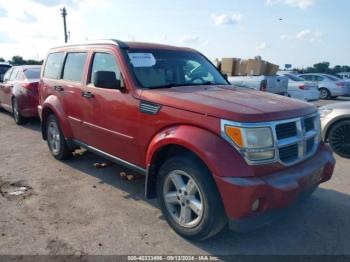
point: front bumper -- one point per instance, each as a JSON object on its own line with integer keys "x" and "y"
{"x": 275, "y": 192}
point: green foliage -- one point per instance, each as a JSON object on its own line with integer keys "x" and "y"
{"x": 2, "y": 59}
{"x": 18, "y": 60}
{"x": 323, "y": 67}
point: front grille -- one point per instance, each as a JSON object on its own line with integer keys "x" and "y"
{"x": 309, "y": 124}
{"x": 289, "y": 153}
{"x": 310, "y": 145}
{"x": 296, "y": 139}
{"x": 286, "y": 130}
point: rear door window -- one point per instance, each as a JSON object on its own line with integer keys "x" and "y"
{"x": 74, "y": 67}
{"x": 307, "y": 77}
{"x": 14, "y": 74}
{"x": 53, "y": 65}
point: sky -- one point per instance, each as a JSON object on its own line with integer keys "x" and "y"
{"x": 297, "y": 32}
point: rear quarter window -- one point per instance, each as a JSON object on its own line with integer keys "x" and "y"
{"x": 53, "y": 65}
{"x": 74, "y": 67}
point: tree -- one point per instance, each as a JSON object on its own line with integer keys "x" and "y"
{"x": 17, "y": 60}
{"x": 2, "y": 59}
{"x": 322, "y": 67}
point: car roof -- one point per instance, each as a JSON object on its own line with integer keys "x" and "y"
{"x": 121, "y": 44}
{"x": 5, "y": 64}
{"x": 23, "y": 67}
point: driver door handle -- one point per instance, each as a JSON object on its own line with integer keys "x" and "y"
{"x": 87, "y": 94}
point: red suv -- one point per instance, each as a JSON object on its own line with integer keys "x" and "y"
{"x": 213, "y": 154}
{"x": 19, "y": 92}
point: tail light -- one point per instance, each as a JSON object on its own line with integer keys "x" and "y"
{"x": 31, "y": 86}
{"x": 340, "y": 84}
{"x": 302, "y": 87}
{"x": 263, "y": 85}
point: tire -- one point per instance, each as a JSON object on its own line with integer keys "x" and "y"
{"x": 324, "y": 93}
{"x": 339, "y": 138}
{"x": 56, "y": 140}
{"x": 16, "y": 112}
{"x": 199, "y": 200}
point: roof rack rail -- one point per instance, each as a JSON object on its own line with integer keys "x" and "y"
{"x": 119, "y": 43}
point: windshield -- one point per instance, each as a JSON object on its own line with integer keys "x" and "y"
{"x": 32, "y": 73}
{"x": 295, "y": 78}
{"x": 168, "y": 68}
{"x": 4, "y": 68}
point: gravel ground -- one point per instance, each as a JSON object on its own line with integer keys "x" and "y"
{"x": 73, "y": 207}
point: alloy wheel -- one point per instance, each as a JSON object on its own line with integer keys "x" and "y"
{"x": 53, "y": 137}
{"x": 183, "y": 199}
{"x": 15, "y": 111}
{"x": 340, "y": 139}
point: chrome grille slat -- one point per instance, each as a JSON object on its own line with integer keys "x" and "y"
{"x": 300, "y": 144}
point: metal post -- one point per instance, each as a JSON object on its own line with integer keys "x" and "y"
{"x": 64, "y": 14}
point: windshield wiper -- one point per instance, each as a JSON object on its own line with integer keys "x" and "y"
{"x": 169, "y": 85}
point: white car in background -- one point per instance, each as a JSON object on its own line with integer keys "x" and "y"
{"x": 298, "y": 88}
{"x": 329, "y": 86}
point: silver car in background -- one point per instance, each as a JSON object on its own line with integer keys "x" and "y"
{"x": 335, "y": 122}
{"x": 329, "y": 86}
{"x": 298, "y": 88}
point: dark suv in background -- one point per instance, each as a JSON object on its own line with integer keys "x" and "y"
{"x": 3, "y": 68}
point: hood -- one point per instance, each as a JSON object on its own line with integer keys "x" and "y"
{"x": 230, "y": 103}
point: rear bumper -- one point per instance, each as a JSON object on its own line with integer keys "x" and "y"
{"x": 28, "y": 105}
{"x": 275, "y": 192}
{"x": 338, "y": 91}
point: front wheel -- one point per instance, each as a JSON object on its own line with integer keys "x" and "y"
{"x": 189, "y": 199}
{"x": 339, "y": 138}
{"x": 56, "y": 140}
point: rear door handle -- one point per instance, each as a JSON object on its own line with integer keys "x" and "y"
{"x": 58, "y": 88}
{"x": 87, "y": 94}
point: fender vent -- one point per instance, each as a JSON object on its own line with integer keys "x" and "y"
{"x": 149, "y": 108}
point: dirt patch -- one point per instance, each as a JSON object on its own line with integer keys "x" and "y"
{"x": 58, "y": 247}
{"x": 15, "y": 190}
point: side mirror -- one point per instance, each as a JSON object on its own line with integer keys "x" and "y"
{"x": 226, "y": 76}
{"x": 1, "y": 78}
{"x": 107, "y": 79}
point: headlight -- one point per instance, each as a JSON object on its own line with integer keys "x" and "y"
{"x": 256, "y": 143}
{"x": 325, "y": 111}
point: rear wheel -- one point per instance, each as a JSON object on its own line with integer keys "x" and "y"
{"x": 56, "y": 140}
{"x": 189, "y": 199}
{"x": 324, "y": 93}
{"x": 339, "y": 138}
{"x": 19, "y": 119}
